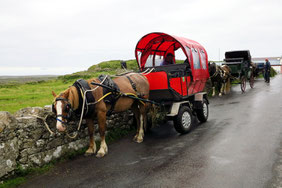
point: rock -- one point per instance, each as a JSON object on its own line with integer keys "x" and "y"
{"x": 7, "y": 121}
{"x": 9, "y": 152}
{"x": 30, "y": 111}
{"x": 40, "y": 143}
{"x": 25, "y": 141}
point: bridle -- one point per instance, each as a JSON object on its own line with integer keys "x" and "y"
{"x": 217, "y": 71}
{"x": 67, "y": 109}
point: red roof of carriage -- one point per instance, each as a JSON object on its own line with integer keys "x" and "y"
{"x": 161, "y": 44}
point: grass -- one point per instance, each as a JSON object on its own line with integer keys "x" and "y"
{"x": 17, "y": 95}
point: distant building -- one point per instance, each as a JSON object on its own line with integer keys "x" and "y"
{"x": 275, "y": 62}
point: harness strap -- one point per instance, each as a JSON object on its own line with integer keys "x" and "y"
{"x": 82, "y": 86}
{"x": 216, "y": 72}
{"x": 132, "y": 83}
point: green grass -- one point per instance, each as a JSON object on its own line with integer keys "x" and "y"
{"x": 15, "y": 96}
{"x": 21, "y": 175}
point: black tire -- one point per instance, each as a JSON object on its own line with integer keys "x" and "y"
{"x": 203, "y": 114}
{"x": 183, "y": 122}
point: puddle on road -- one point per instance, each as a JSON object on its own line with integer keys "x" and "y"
{"x": 221, "y": 160}
{"x": 234, "y": 102}
{"x": 219, "y": 104}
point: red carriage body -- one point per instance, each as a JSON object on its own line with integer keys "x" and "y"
{"x": 174, "y": 82}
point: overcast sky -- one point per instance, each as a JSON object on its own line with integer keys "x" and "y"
{"x": 65, "y": 36}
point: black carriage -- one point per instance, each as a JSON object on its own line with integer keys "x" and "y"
{"x": 241, "y": 69}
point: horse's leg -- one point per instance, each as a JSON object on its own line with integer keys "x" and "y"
{"x": 92, "y": 144}
{"x": 213, "y": 88}
{"x": 224, "y": 88}
{"x": 228, "y": 86}
{"x": 102, "y": 129}
{"x": 220, "y": 85}
{"x": 142, "y": 113}
{"x": 136, "y": 113}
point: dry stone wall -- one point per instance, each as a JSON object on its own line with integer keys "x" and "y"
{"x": 25, "y": 141}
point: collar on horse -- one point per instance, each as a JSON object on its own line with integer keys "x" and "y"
{"x": 89, "y": 107}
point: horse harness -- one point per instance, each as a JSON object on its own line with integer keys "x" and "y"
{"x": 217, "y": 71}
{"x": 112, "y": 91}
{"x": 82, "y": 87}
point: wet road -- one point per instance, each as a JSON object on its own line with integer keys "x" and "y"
{"x": 239, "y": 146}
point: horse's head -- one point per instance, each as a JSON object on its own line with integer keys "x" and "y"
{"x": 62, "y": 108}
{"x": 225, "y": 72}
{"x": 212, "y": 68}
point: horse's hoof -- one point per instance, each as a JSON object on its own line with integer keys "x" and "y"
{"x": 139, "y": 140}
{"x": 89, "y": 152}
{"x": 100, "y": 155}
{"x": 220, "y": 94}
{"x": 135, "y": 138}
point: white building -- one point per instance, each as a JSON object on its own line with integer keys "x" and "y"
{"x": 276, "y": 62}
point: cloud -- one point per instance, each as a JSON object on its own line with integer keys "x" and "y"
{"x": 82, "y": 33}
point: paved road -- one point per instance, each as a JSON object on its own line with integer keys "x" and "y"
{"x": 239, "y": 146}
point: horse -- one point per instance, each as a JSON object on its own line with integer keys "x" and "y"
{"x": 68, "y": 101}
{"x": 216, "y": 79}
{"x": 226, "y": 79}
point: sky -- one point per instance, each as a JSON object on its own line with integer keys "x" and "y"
{"x": 58, "y": 37}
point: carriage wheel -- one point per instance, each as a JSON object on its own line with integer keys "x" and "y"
{"x": 203, "y": 114}
{"x": 252, "y": 81}
{"x": 183, "y": 122}
{"x": 243, "y": 83}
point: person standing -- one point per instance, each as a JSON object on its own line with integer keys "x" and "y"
{"x": 267, "y": 68}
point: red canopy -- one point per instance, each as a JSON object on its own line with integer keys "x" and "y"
{"x": 161, "y": 44}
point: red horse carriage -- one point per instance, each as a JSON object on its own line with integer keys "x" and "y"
{"x": 178, "y": 87}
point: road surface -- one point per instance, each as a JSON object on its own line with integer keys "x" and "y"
{"x": 239, "y": 146}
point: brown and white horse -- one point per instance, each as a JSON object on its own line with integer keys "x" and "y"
{"x": 226, "y": 78}
{"x": 70, "y": 99}
{"x": 220, "y": 78}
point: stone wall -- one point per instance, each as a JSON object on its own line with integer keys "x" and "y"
{"x": 25, "y": 141}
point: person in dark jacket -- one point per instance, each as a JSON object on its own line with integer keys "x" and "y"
{"x": 267, "y": 67}
{"x": 168, "y": 59}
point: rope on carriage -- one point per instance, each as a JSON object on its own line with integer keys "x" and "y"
{"x": 45, "y": 123}
{"x": 145, "y": 73}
